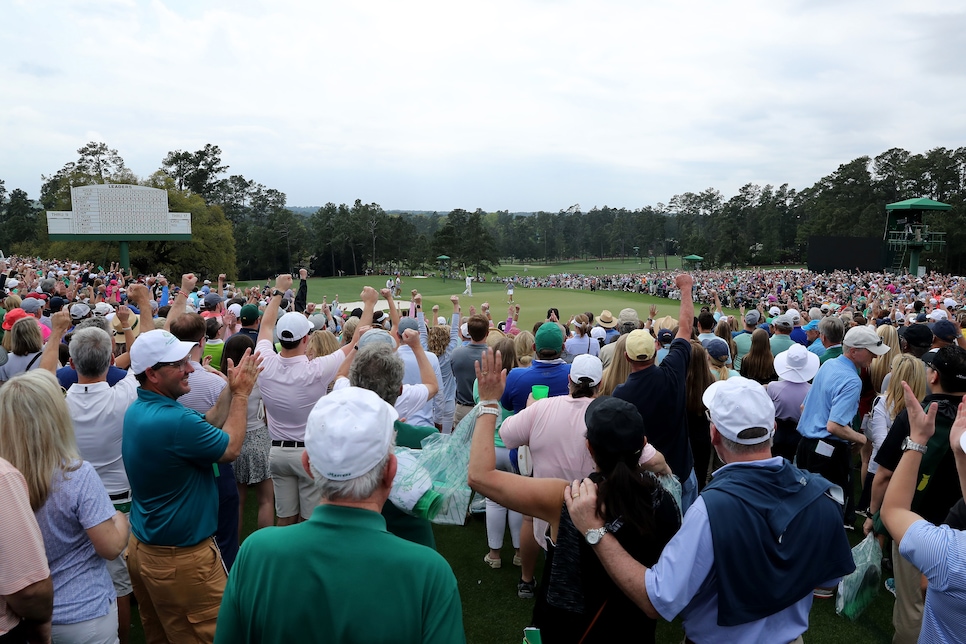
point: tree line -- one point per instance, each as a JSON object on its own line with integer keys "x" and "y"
{"x": 243, "y": 228}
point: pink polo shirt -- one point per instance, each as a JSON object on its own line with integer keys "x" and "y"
{"x": 290, "y": 388}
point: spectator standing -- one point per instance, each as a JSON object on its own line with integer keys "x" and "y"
{"x": 169, "y": 452}
{"x": 658, "y": 392}
{"x": 291, "y": 384}
{"x": 412, "y": 586}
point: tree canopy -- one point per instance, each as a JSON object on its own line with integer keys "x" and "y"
{"x": 244, "y": 228}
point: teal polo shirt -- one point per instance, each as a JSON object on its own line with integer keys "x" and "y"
{"x": 168, "y": 452}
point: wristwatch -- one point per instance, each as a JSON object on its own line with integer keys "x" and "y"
{"x": 277, "y": 292}
{"x": 908, "y": 444}
{"x": 594, "y": 535}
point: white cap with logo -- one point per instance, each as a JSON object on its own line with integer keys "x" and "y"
{"x": 348, "y": 433}
{"x": 157, "y": 346}
{"x": 737, "y": 404}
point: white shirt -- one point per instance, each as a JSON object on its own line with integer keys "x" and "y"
{"x": 98, "y": 410}
{"x": 412, "y": 398}
{"x": 432, "y": 410}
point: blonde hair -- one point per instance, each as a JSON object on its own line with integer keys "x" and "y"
{"x": 321, "y": 343}
{"x": 25, "y": 337}
{"x": 617, "y": 371}
{"x": 349, "y": 330}
{"x": 911, "y": 370}
{"x": 12, "y": 302}
{"x": 523, "y": 343}
{"x": 882, "y": 364}
{"x": 37, "y": 435}
{"x": 717, "y": 367}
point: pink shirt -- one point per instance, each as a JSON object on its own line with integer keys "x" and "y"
{"x": 290, "y": 388}
{"x": 554, "y": 429}
{"x": 24, "y": 558}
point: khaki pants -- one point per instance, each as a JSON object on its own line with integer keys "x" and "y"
{"x": 907, "y": 611}
{"x": 178, "y": 590}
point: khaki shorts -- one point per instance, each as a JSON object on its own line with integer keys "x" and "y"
{"x": 295, "y": 491}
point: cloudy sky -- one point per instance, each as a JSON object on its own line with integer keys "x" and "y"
{"x": 521, "y": 105}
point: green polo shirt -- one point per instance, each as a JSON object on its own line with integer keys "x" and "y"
{"x": 338, "y": 577}
{"x": 831, "y": 352}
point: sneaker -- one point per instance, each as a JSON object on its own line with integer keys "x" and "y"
{"x": 517, "y": 561}
{"x": 823, "y": 593}
{"x": 850, "y": 527}
{"x": 890, "y": 585}
{"x": 526, "y": 589}
{"x": 864, "y": 513}
{"x": 492, "y": 563}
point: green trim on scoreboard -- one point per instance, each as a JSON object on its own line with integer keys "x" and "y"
{"x": 130, "y": 238}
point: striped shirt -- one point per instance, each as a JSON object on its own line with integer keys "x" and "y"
{"x": 205, "y": 389}
{"x": 24, "y": 561}
{"x": 939, "y": 552}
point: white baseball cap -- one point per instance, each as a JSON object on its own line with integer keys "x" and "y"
{"x": 293, "y": 326}
{"x": 937, "y": 314}
{"x": 737, "y": 404}
{"x": 441, "y": 320}
{"x": 235, "y": 309}
{"x": 156, "y": 346}
{"x": 349, "y": 432}
{"x": 863, "y": 337}
{"x": 598, "y": 333}
{"x": 586, "y": 366}
{"x": 773, "y": 311}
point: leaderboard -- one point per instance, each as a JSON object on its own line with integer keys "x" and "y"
{"x": 118, "y": 209}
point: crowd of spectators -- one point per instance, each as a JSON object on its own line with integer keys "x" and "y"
{"x": 635, "y": 452}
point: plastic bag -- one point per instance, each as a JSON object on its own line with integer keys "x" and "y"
{"x": 857, "y": 590}
{"x": 435, "y": 476}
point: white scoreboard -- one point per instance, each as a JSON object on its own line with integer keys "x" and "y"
{"x": 118, "y": 210}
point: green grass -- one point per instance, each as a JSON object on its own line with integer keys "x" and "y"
{"x": 533, "y": 302}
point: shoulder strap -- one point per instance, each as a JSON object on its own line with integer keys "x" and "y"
{"x": 31, "y": 363}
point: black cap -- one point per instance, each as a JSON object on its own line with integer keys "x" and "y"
{"x": 356, "y": 313}
{"x": 614, "y": 426}
{"x": 917, "y": 335}
{"x": 950, "y": 363}
{"x": 56, "y": 303}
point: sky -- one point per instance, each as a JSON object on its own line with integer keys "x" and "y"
{"x": 499, "y": 105}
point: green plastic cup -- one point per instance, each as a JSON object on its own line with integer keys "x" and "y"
{"x": 540, "y": 391}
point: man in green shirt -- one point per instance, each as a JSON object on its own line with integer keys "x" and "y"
{"x": 341, "y": 576}
{"x": 832, "y": 331}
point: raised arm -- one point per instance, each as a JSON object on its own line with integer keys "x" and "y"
{"x": 267, "y": 327}
{"x": 302, "y": 295}
{"x": 50, "y": 358}
{"x": 188, "y": 281}
{"x": 427, "y": 375}
{"x": 684, "y": 282}
{"x": 393, "y": 312}
{"x": 896, "y": 513}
